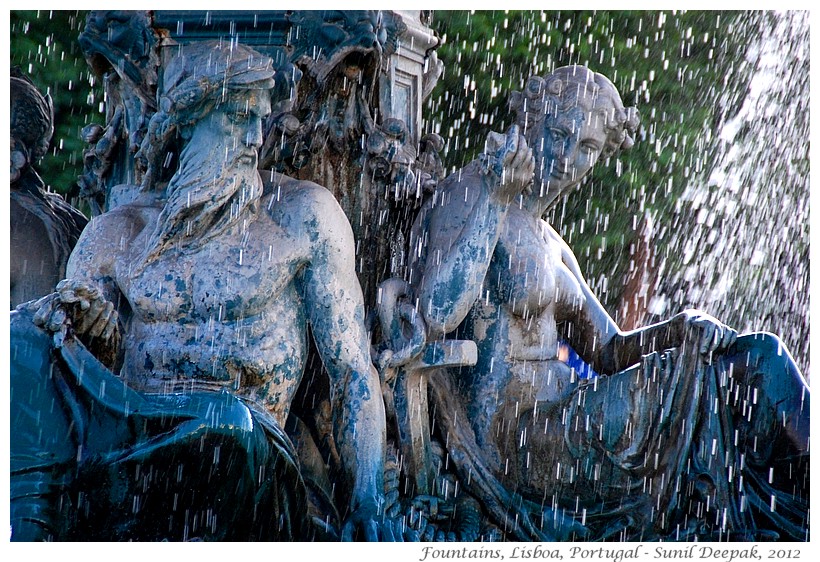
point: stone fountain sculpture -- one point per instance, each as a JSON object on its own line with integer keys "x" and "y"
{"x": 44, "y": 227}
{"x": 346, "y": 113}
{"x": 472, "y": 429}
{"x": 346, "y": 108}
{"x": 684, "y": 414}
{"x": 194, "y": 300}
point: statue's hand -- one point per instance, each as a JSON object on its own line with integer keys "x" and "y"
{"x": 508, "y": 164}
{"x": 81, "y": 306}
{"x": 710, "y": 334}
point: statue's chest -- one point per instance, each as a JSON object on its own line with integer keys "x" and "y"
{"x": 217, "y": 283}
{"x": 523, "y": 271}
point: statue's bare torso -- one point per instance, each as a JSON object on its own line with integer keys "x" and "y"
{"x": 526, "y": 287}
{"x": 224, "y": 313}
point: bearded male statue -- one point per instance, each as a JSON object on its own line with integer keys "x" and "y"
{"x": 198, "y": 294}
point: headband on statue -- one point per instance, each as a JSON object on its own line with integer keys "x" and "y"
{"x": 198, "y": 78}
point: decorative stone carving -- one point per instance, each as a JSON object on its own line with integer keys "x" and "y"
{"x": 195, "y": 300}
{"x": 406, "y": 361}
{"x": 667, "y": 429}
{"x": 355, "y": 121}
{"x": 120, "y": 47}
{"x": 43, "y": 227}
{"x": 342, "y": 76}
{"x": 182, "y": 327}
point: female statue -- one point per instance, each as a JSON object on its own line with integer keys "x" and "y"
{"x": 689, "y": 431}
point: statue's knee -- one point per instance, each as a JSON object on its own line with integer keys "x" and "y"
{"x": 762, "y": 350}
{"x": 239, "y": 429}
{"x": 766, "y": 343}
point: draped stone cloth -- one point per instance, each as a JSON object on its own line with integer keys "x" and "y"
{"x": 93, "y": 460}
{"x": 674, "y": 453}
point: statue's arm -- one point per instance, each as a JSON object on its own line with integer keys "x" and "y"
{"x": 335, "y": 307}
{"x": 703, "y": 330}
{"x": 454, "y": 240}
{"x": 92, "y": 260}
{"x": 87, "y": 298}
{"x": 595, "y": 336}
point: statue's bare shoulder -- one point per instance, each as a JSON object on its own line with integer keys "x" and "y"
{"x": 305, "y": 210}
{"x": 108, "y": 235}
{"x": 133, "y": 216}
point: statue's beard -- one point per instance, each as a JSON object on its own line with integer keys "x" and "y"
{"x": 211, "y": 190}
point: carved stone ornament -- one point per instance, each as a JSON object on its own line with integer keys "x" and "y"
{"x": 285, "y": 323}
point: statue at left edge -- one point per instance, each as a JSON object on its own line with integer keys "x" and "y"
{"x": 43, "y": 226}
{"x": 150, "y": 390}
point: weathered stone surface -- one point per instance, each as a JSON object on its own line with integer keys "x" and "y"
{"x": 637, "y": 452}
{"x": 346, "y": 109}
{"x": 121, "y": 48}
{"x": 202, "y": 287}
{"x": 43, "y": 227}
{"x": 181, "y": 340}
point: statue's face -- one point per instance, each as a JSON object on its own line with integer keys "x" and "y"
{"x": 236, "y": 125}
{"x": 570, "y": 145}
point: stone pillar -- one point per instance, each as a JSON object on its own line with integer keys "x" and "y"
{"x": 412, "y": 73}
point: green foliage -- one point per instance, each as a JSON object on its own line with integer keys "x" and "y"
{"x": 671, "y": 65}
{"x": 44, "y": 45}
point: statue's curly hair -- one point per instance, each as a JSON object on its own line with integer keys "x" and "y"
{"x": 573, "y": 86}
{"x": 32, "y": 115}
{"x": 194, "y": 82}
